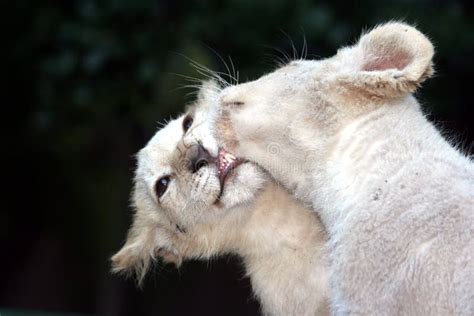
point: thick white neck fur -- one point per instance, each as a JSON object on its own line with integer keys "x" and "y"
{"x": 283, "y": 249}
{"x": 387, "y": 149}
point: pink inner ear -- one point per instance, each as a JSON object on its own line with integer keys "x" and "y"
{"x": 395, "y": 60}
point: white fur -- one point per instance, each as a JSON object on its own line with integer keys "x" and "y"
{"x": 345, "y": 136}
{"x": 282, "y": 243}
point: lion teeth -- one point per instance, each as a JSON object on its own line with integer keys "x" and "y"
{"x": 226, "y": 161}
{"x": 229, "y": 158}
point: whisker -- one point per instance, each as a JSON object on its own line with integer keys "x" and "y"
{"x": 283, "y": 60}
{"x": 208, "y": 73}
{"x": 187, "y": 86}
{"x": 196, "y": 83}
{"x": 188, "y": 78}
{"x": 275, "y": 59}
{"x": 304, "y": 49}
{"x": 293, "y": 47}
{"x": 228, "y": 74}
{"x": 236, "y": 75}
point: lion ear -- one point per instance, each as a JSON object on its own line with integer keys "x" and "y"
{"x": 144, "y": 243}
{"x": 389, "y": 61}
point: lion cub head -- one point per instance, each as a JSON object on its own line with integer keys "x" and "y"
{"x": 184, "y": 181}
{"x": 275, "y": 119}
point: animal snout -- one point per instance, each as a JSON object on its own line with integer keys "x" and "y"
{"x": 197, "y": 157}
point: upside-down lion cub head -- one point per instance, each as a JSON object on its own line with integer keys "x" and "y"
{"x": 183, "y": 180}
{"x": 305, "y": 103}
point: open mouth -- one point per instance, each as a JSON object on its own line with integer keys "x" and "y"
{"x": 226, "y": 163}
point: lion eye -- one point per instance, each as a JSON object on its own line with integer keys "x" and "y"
{"x": 161, "y": 185}
{"x": 187, "y": 123}
{"x": 234, "y": 103}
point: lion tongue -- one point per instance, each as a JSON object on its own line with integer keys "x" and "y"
{"x": 226, "y": 162}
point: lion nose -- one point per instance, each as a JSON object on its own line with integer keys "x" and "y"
{"x": 197, "y": 157}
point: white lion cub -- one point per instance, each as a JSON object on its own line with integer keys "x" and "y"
{"x": 193, "y": 200}
{"x": 345, "y": 135}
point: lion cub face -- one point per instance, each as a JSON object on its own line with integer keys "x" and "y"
{"x": 183, "y": 179}
{"x": 183, "y": 173}
{"x": 275, "y": 119}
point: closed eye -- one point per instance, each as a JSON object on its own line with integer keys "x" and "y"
{"x": 234, "y": 103}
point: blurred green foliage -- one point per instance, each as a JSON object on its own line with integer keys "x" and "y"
{"x": 90, "y": 79}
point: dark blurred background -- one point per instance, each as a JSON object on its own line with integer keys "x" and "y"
{"x": 86, "y": 83}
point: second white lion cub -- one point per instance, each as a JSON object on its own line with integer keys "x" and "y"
{"x": 193, "y": 200}
{"x": 345, "y": 135}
